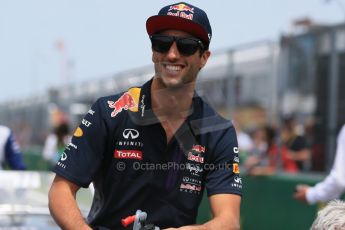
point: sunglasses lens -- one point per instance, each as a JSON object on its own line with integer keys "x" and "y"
{"x": 187, "y": 46}
{"x": 161, "y": 44}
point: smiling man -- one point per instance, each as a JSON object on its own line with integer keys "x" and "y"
{"x": 156, "y": 147}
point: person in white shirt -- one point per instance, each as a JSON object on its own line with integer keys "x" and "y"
{"x": 56, "y": 142}
{"x": 10, "y": 153}
{"x": 333, "y": 185}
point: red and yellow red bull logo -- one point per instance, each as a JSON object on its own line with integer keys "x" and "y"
{"x": 182, "y": 10}
{"x": 192, "y": 157}
{"x": 199, "y": 148}
{"x": 128, "y": 101}
{"x": 182, "y": 7}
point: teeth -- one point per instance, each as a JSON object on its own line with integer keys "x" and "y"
{"x": 173, "y": 67}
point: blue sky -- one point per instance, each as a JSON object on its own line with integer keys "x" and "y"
{"x": 105, "y": 37}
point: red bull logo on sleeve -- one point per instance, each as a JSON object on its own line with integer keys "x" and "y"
{"x": 127, "y": 101}
{"x": 199, "y": 148}
{"x": 182, "y": 11}
{"x": 192, "y": 157}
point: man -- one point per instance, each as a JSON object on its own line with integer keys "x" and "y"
{"x": 157, "y": 147}
{"x": 330, "y": 217}
{"x": 333, "y": 185}
{"x": 9, "y": 150}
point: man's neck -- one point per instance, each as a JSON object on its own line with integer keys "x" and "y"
{"x": 171, "y": 106}
{"x": 172, "y": 103}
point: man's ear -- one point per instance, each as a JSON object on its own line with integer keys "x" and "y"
{"x": 204, "y": 57}
{"x": 154, "y": 57}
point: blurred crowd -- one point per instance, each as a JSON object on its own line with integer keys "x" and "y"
{"x": 268, "y": 149}
{"x": 15, "y": 146}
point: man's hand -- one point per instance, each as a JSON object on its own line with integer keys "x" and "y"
{"x": 301, "y": 192}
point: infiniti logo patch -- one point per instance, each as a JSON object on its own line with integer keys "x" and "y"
{"x": 130, "y": 133}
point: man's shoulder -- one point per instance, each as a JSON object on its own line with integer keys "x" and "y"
{"x": 210, "y": 120}
{"x": 209, "y": 111}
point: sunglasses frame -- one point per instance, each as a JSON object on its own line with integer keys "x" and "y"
{"x": 199, "y": 44}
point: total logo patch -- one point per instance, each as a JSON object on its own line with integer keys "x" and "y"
{"x": 128, "y": 154}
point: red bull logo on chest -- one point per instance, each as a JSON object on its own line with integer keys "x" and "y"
{"x": 127, "y": 101}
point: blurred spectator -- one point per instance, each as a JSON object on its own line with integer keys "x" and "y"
{"x": 331, "y": 217}
{"x": 56, "y": 142}
{"x": 10, "y": 153}
{"x": 309, "y": 131}
{"x": 317, "y": 149}
{"x": 333, "y": 185}
{"x": 295, "y": 151}
{"x": 23, "y": 134}
{"x": 245, "y": 143}
{"x": 264, "y": 155}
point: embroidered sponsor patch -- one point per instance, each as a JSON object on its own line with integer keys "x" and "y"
{"x": 128, "y": 154}
{"x": 194, "y": 158}
{"x": 235, "y": 168}
{"x": 127, "y": 101}
{"x": 78, "y": 132}
{"x": 198, "y": 148}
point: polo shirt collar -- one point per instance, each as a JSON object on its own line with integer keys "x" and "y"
{"x": 145, "y": 113}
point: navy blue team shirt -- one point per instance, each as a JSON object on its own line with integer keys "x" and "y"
{"x": 121, "y": 147}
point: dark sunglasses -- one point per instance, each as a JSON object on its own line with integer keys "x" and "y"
{"x": 186, "y": 46}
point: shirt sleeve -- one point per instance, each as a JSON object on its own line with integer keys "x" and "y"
{"x": 83, "y": 155}
{"x": 224, "y": 178}
{"x": 13, "y": 155}
{"x": 334, "y": 184}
